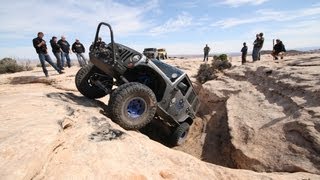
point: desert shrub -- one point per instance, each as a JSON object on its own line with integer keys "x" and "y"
{"x": 28, "y": 66}
{"x": 221, "y": 62}
{"x": 208, "y": 72}
{"x": 9, "y": 65}
{"x": 223, "y": 57}
{"x": 205, "y": 73}
{"x": 221, "y": 65}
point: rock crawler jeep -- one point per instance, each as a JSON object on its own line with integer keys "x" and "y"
{"x": 145, "y": 88}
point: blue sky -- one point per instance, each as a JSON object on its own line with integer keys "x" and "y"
{"x": 182, "y": 27}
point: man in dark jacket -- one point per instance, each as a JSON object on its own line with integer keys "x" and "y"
{"x": 65, "y": 47}
{"x": 257, "y": 46}
{"x": 56, "y": 50}
{"x": 79, "y": 49}
{"x": 278, "y": 50}
{"x": 244, "y": 52}
{"x": 255, "y": 51}
{"x": 41, "y": 48}
{"x": 260, "y": 44}
{"x": 206, "y": 51}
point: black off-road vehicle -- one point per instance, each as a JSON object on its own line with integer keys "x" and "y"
{"x": 145, "y": 88}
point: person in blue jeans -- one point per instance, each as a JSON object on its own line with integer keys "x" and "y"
{"x": 56, "y": 50}
{"x": 257, "y": 46}
{"x": 261, "y": 42}
{"x": 65, "y": 47}
{"x": 79, "y": 49}
{"x": 41, "y": 48}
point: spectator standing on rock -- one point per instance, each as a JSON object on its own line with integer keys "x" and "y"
{"x": 41, "y": 48}
{"x": 244, "y": 52}
{"x": 65, "y": 46}
{"x": 206, "y": 51}
{"x": 257, "y": 46}
{"x": 79, "y": 49}
{"x": 278, "y": 50}
{"x": 260, "y": 44}
{"x": 56, "y": 50}
{"x": 255, "y": 52}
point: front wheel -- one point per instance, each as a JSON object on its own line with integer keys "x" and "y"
{"x": 133, "y": 105}
{"x": 85, "y": 85}
{"x": 180, "y": 134}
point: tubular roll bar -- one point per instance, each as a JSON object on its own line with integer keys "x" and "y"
{"x": 112, "y": 40}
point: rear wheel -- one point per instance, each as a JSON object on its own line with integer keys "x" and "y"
{"x": 180, "y": 134}
{"x": 133, "y": 105}
{"x": 85, "y": 85}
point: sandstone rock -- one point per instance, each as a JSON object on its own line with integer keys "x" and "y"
{"x": 46, "y": 130}
{"x": 272, "y": 113}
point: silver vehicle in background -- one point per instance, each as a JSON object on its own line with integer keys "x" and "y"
{"x": 151, "y": 53}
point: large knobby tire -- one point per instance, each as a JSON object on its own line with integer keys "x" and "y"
{"x": 180, "y": 134}
{"x": 133, "y": 105}
{"x": 113, "y": 95}
{"x": 83, "y": 84}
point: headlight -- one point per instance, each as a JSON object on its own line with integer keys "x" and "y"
{"x": 136, "y": 58}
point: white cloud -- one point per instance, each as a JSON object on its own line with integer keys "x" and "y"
{"x": 237, "y": 3}
{"x": 21, "y": 21}
{"x": 78, "y": 18}
{"x": 265, "y": 15}
{"x": 187, "y": 4}
{"x": 300, "y": 34}
{"x": 62, "y": 17}
{"x": 174, "y": 24}
{"x": 231, "y": 22}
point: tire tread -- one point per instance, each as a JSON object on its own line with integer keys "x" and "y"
{"x": 81, "y": 81}
{"x": 117, "y": 98}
